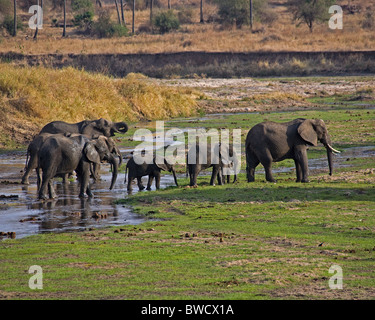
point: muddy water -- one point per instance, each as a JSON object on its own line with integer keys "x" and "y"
{"x": 21, "y": 212}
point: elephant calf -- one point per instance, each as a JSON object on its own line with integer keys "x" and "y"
{"x": 152, "y": 170}
{"x": 221, "y": 159}
{"x": 269, "y": 142}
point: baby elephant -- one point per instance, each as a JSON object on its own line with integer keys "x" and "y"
{"x": 151, "y": 170}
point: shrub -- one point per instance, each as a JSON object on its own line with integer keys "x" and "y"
{"x": 106, "y": 28}
{"x": 166, "y": 21}
{"x": 8, "y": 24}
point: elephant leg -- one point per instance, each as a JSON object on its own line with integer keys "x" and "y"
{"x": 84, "y": 178}
{"x": 149, "y": 183}
{"x": 298, "y": 171}
{"x": 266, "y": 161}
{"x": 140, "y": 184}
{"x": 193, "y": 175}
{"x": 252, "y": 163}
{"x": 51, "y": 190}
{"x": 130, "y": 180}
{"x": 215, "y": 173}
{"x": 157, "y": 180}
{"x": 301, "y": 158}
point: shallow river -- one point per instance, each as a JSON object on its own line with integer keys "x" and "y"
{"x": 22, "y": 213}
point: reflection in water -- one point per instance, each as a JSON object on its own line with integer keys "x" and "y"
{"x": 25, "y": 215}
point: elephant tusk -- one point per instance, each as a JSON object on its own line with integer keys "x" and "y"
{"x": 333, "y": 150}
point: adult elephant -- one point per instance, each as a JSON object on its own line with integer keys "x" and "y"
{"x": 269, "y": 142}
{"x": 202, "y": 157}
{"x": 91, "y": 128}
{"x": 60, "y": 154}
{"x": 35, "y": 145}
{"x": 152, "y": 170}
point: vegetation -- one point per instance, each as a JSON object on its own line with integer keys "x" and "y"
{"x": 273, "y": 30}
{"x": 39, "y": 95}
{"x": 166, "y": 21}
{"x": 236, "y": 241}
{"x": 310, "y": 11}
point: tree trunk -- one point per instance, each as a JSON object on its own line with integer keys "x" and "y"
{"x": 37, "y": 21}
{"x": 64, "y": 28}
{"x": 169, "y": 4}
{"x": 133, "y": 16}
{"x": 122, "y": 11}
{"x": 151, "y": 2}
{"x": 251, "y": 14}
{"x": 15, "y": 18}
{"x": 201, "y": 20}
{"x": 118, "y": 13}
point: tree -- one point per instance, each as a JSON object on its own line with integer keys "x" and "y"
{"x": 201, "y": 12}
{"x": 64, "y": 28}
{"x": 15, "y": 18}
{"x": 118, "y": 13}
{"x": 310, "y": 11}
{"x": 133, "y": 18}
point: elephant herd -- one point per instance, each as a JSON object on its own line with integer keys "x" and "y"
{"x": 62, "y": 148}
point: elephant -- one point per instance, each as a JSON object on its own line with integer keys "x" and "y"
{"x": 34, "y": 146}
{"x": 269, "y": 142}
{"x": 153, "y": 170}
{"x": 234, "y": 165}
{"x": 90, "y": 128}
{"x": 60, "y": 154}
{"x": 195, "y": 164}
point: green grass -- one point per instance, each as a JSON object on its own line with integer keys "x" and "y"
{"x": 236, "y": 241}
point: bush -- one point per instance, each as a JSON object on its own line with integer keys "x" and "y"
{"x": 166, "y": 21}
{"x": 8, "y": 24}
{"x": 106, "y": 28}
{"x": 83, "y": 20}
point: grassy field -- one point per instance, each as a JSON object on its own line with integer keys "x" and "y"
{"x": 235, "y": 241}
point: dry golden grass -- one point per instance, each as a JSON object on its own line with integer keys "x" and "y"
{"x": 33, "y": 96}
{"x": 282, "y": 35}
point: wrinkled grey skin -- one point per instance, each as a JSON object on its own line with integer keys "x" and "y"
{"x": 61, "y": 155}
{"x": 90, "y": 128}
{"x": 32, "y": 156}
{"x": 197, "y": 165}
{"x": 269, "y": 142}
{"x": 152, "y": 170}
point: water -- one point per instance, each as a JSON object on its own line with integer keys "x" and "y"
{"x": 21, "y": 211}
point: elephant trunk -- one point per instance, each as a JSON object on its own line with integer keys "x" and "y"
{"x": 120, "y": 127}
{"x": 330, "y": 161}
{"x": 330, "y": 152}
{"x": 112, "y": 160}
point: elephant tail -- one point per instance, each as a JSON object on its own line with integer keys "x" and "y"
{"x": 27, "y": 159}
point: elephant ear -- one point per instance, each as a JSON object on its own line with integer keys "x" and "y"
{"x": 307, "y": 132}
{"x": 162, "y": 166}
{"x": 91, "y": 153}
